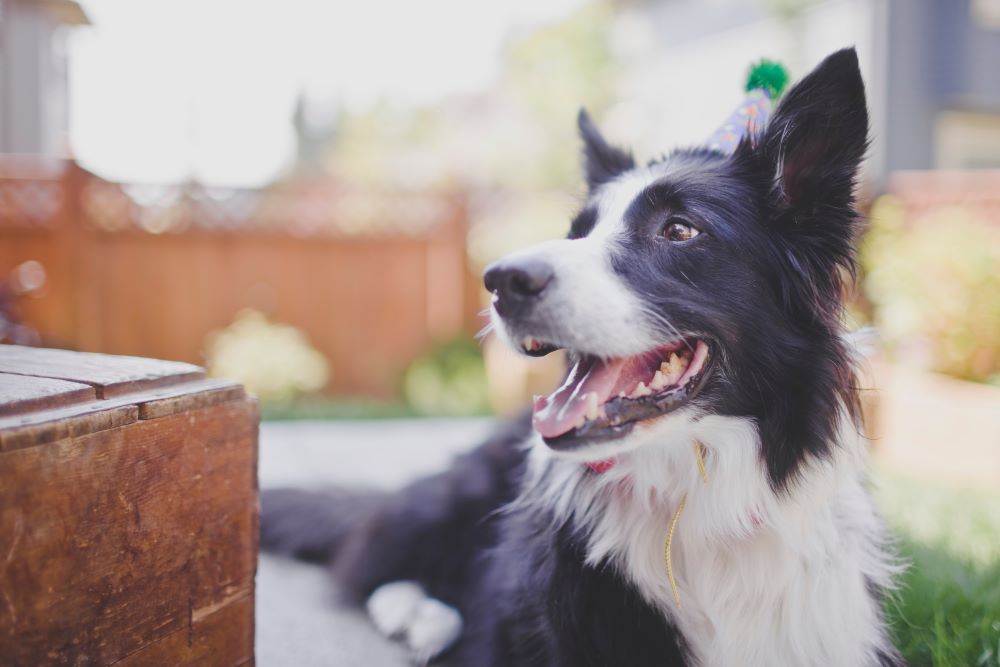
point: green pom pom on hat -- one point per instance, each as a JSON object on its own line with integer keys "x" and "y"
{"x": 769, "y": 76}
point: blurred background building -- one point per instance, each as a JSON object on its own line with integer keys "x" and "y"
{"x": 34, "y": 88}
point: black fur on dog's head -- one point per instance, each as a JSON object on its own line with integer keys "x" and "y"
{"x": 760, "y": 279}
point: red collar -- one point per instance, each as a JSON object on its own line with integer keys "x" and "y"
{"x": 602, "y": 466}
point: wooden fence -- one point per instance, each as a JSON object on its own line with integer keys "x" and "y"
{"x": 924, "y": 193}
{"x": 371, "y": 278}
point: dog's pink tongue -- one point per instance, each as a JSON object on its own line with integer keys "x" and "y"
{"x": 563, "y": 409}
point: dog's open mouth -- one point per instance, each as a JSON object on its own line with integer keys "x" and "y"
{"x": 604, "y": 399}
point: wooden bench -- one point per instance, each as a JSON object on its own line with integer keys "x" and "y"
{"x": 128, "y": 512}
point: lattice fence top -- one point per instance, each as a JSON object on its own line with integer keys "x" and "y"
{"x": 924, "y": 192}
{"x": 946, "y": 186}
{"x": 295, "y": 210}
{"x": 30, "y": 199}
{"x": 33, "y": 204}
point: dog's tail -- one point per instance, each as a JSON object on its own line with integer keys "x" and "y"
{"x": 313, "y": 525}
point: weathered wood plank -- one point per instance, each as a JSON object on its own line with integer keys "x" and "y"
{"x": 109, "y": 375}
{"x": 222, "y": 638}
{"x": 123, "y": 538}
{"x": 179, "y": 398}
{"x": 20, "y": 393}
{"x": 45, "y": 426}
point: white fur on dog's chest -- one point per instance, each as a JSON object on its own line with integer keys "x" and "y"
{"x": 758, "y": 601}
{"x": 763, "y": 579}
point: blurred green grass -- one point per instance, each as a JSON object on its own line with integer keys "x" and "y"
{"x": 946, "y": 611}
{"x": 327, "y": 407}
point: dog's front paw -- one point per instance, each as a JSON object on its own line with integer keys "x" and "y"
{"x": 434, "y": 628}
{"x": 428, "y": 626}
{"x": 393, "y": 606}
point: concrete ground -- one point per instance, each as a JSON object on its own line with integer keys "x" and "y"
{"x": 299, "y": 622}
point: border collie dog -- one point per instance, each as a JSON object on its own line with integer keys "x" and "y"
{"x": 694, "y": 493}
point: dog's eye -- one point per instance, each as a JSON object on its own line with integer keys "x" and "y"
{"x": 679, "y": 232}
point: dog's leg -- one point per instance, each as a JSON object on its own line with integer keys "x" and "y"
{"x": 393, "y": 606}
{"x": 428, "y": 626}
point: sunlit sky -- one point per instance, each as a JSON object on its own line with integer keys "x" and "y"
{"x": 164, "y": 90}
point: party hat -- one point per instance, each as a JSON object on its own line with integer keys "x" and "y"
{"x": 765, "y": 82}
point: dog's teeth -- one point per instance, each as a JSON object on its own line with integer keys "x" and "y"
{"x": 621, "y": 394}
{"x": 640, "y": 390}
{"x": 675, "y": 367}
{"x": 531, "y": 344}
{"x": 592, "y": 408}
{"x": 658, "y": 382}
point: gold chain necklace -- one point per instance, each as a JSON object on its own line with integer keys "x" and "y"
{"x": 699, "y": 454}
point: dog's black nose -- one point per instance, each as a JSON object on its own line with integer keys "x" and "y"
{"x": 517, "y": 283}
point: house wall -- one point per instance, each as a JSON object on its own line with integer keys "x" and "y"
{"x": 33, "y": 104}
{"x": 923, "y": 61}
{"x": 940, "y": 58}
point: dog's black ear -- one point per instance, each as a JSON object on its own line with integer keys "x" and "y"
{"x": 819, "y": 133}
{"x": 601, "y": 161}
{"x": 810, "y": 152}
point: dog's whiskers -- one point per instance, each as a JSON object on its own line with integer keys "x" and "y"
{"x": 658, "y": 318}
{"x": 487, "y": 328}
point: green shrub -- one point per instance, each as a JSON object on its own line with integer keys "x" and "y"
{"x": 935, "y": 287}
{"x": 274, "y": 361}
{"x": 450, "y": 379}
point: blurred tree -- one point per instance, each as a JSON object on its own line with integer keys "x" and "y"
{"x": 388, "y": 145}
{"x": 552, "y": 72}
{"x": 518, "y": 136}
{"x": 789, "y": 9}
